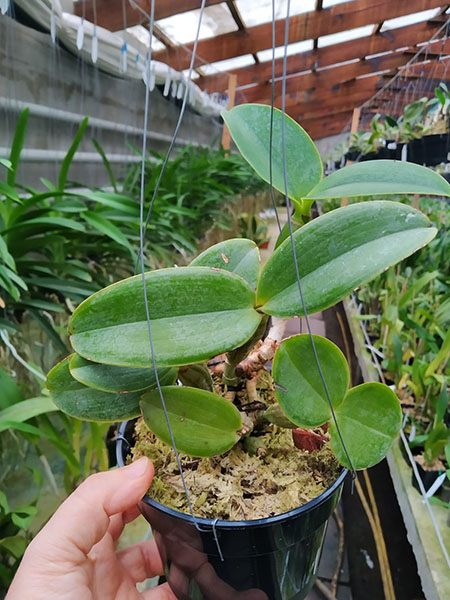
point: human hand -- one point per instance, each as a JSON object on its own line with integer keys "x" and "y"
{"x": 74, "y": 556}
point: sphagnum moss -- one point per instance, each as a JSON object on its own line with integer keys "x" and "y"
{"x": 236, "y": 486}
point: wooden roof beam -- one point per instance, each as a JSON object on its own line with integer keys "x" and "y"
{"x": 320, "y": 127}
{"x": 310, "y": 25}
{"x": 329, "y": 55}
{"x": 110, "y": 15}
{"x": 357, "y": 90}
{"x": 328, "y": 77}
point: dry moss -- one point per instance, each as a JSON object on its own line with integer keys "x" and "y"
{"x": 236, "y": 486}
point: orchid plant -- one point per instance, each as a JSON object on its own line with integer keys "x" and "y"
{"x": 221, "y": 303}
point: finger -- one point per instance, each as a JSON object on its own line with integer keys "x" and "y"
{"x": 162, "y": 592}
{"x": 118, "y": 522}
{"x": 141, "y": 561}
{"x": 116, "y": 525}
{"x": 83, "y": 519}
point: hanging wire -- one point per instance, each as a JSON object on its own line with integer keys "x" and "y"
{"x": 272, "y": 100}
{"x": 142, "y": 230}
{"x": 291, "y": 237}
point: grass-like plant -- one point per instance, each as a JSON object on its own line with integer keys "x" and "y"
{"x": 221, "y": 304}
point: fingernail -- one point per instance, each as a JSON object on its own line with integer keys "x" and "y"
{"x": 137, "y": 468}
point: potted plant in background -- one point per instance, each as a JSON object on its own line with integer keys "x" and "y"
{"x": 220, "y": 420}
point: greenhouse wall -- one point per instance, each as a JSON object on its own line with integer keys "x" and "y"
{"x": 60, "y": 90}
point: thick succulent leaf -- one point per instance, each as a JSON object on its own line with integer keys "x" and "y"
{"x": 117, "y": 379}
{"x": 381, "y": 177}
{"x": 249, "y": 125}
{"x": 197, "y": 376}
{"x": 203, "y": 423}
{"x": 299, "y": 387}
{"x": 77, "y": 400}
{"x": 240, "y": 256}
{"x": 369, "y": 419}
{"x": 339, "y": 251}
{"x": 196, "y": 313}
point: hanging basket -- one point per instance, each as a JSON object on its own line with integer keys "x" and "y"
{"x": 272, "y": 559}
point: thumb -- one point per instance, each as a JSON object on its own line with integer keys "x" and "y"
{"x": 83, "y": 519}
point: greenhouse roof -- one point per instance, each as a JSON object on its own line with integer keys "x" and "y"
{"x": 337, "y": 49}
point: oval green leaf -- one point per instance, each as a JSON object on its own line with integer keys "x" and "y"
{"x": 202, "y": 423}
{"x": 239, "y": 255}
{"x": 298, "y": 385}
{"x": 374, "y": 177}
{"x": 249, "y": 125}
{"x": 196, "y": 313}
{"x": 77, "y": 400}
{"x": 369, "y": 419}
{"x": 339, "y": 251}
{"x": 117, "y": 379}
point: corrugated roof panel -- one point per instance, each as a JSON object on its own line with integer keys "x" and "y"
{"x": 424, "y": 15}
{"x": 182, "y": 28}
{"x": 327, "y": 3}
{"x": 295, "y": 48}
{"x": 256, "y": 12}
{"x": 228, "y": 64}
{"x": 344, "y": 36}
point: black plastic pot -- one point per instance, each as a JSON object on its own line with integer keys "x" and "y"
{"x": 428, "y": 477}
{"x": 431, "y": 150}
{"x": 353, "y": 156}
{"x": 435, "y": 149}
{"x": 265, "y": 559}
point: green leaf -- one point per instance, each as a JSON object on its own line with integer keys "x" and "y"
{"x": 5, "y": 255}
{"x": 440, "y": 357}
{"x": 369, "y": 419}
{"x": 198, "y": 376}
{"x": 104, "y": 226}
{"x": 196, "y": 313}
{"x": 249, "y": 125}
{"x": 4, "y": 505}
{"x": 62, "y": 285}
{"x": 77, "y": 400}
{"x": 381, "y": 177}
{"x": 17, "y": 145}
{"x": 50, "y": 221}
{"x": 64, "y": 171}
{"x": 441, "y": 404}
{"x": 23, "y": 517}
{"x": 436, "y": 441}
{"x": 238, "y": 256}
{"x": 22, "y": 411}
{"x": 203, "y": 423}
{"x": 106, "y": 163}
{"x": 11, "y": 393}
{"x": 5, "y": 163}
{"x": 42, "y": 304}
{"x": 47, "y": 326}
{"x": 117, "y": 379}
{"x": 121, "y": 203}
{"x": 339, "y": 251}
{"x": 9, "y": 325}
{"x": 415, "y": 287}
{"x": 14, "y": 544}
{"x": 9, "y": 192}
{"x": 298, "y": 385}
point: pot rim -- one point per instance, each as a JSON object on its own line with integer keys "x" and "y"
{"x": 214, "y": 523}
